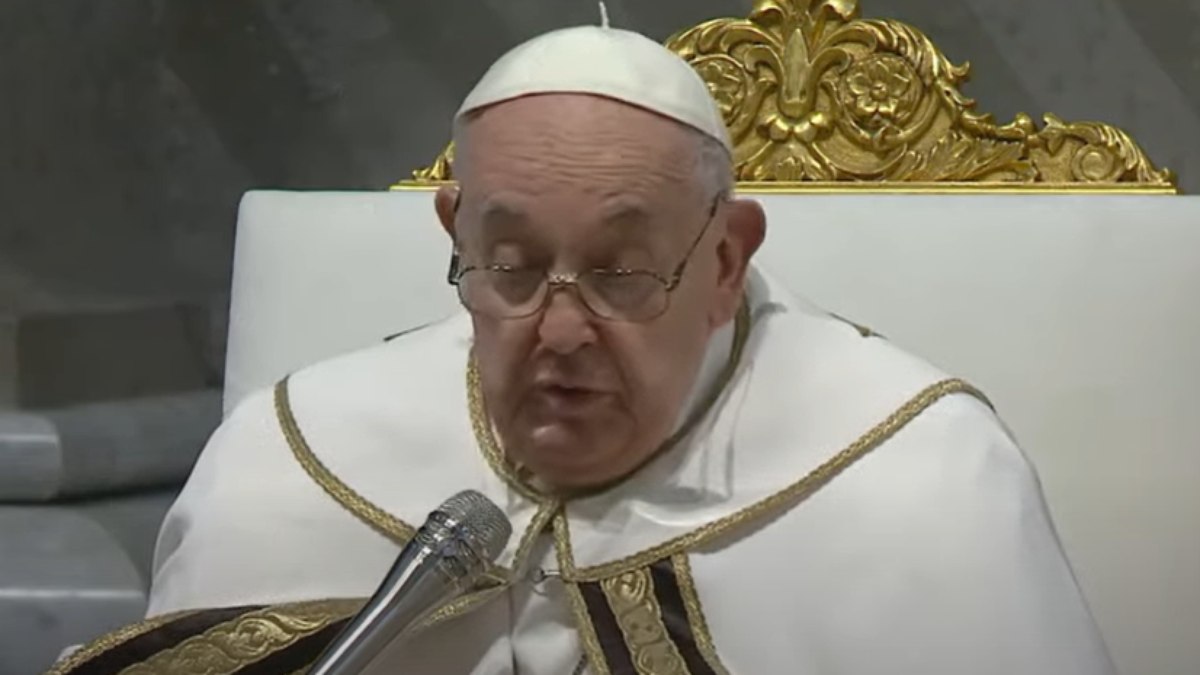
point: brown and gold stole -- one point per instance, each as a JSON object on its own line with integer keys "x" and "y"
{"x": 646, "y": 621}
{"x": 278, "y": 640}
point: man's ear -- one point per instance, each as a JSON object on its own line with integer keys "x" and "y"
{"x": 446, "y": 204}
{"x": 745, "y": 229}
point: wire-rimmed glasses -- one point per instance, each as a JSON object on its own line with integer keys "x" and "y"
{"x": 616, "y": 294}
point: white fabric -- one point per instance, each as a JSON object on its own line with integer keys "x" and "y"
{"x": 608, "y": 62}
{"x": 934, "y": 554}
{"x": 1076, "y": 315}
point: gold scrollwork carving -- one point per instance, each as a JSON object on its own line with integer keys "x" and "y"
{"x": 815, "y": 95}
{"x": 438, "y": 172}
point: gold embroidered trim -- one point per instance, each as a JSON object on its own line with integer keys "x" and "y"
{"x": 247, "y": 639}
{"x": 695, "y": 613}
{"x": 111, "y": 641}
{"x": 481, "y": 425}
{"x": 583, "y": 621}
{"x": 537, "y": 525}
{"x": 494, "y": 454}
{"x": 461, "y": 605}
{"x": 776, "y": 502}
{"x": 390, "y": 526}
{"x": 639, "y": 616}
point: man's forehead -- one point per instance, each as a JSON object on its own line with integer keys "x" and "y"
{"x": 618, "y": 208}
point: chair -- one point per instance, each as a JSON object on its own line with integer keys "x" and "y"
{"x": 1053, "y": 267}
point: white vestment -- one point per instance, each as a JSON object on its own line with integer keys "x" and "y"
{"x": 931, "y": 553}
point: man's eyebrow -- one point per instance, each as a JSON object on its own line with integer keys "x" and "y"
{"x": 501, "y": 210}
{"x": 627, "y": 214}
{"x": 499, "y": 219}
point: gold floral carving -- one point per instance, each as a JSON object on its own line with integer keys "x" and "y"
{"x": 813, "y": 95}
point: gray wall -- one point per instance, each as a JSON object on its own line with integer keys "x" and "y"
{"x": 129, "y": 128}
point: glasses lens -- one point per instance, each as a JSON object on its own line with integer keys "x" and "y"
{"x": 502, "y": 292}
{"x": 624, "y": 295}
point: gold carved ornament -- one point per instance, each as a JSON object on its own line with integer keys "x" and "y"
{"x": 816, "y": 97}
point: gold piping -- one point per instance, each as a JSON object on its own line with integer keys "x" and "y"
{"x": 390, "y": 526}
{"x": 776, "y": 502}
{"x": 583, "y": 622}
{"x": 486, "y": 438}
{"x": 393, "y": 527}
{"x": 461, "y": 605}
{"x": 695, "y": 613}
{"x": 537, "y": 525}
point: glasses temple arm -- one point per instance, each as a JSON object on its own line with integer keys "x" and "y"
{"x": 677, "y": 274}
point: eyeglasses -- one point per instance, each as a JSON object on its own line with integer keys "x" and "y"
{"x": 630, "y": 295}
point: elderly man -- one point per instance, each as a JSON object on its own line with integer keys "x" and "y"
{"x": 705, "y": 473}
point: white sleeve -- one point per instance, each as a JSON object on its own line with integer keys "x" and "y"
{"x": 251, "y": 527}
{"x": 933, "y": 554}
{"x": 983, "y": 583}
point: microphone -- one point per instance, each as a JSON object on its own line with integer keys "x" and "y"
{"x": 445, "y": 557}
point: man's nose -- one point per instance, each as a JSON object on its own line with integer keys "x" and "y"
{"x": 566, "y": 324}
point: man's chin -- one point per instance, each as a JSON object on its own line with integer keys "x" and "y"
{"x": 567, "y": 457}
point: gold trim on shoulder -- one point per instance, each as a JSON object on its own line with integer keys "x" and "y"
{"x": 695, "y": 612}
{"x": 776, "y": 503}
{"x": 362, "y": 508}
{"x": 816, "y": 97}
{"x": 592, "y": 650}
{"x": 489, "y": 445}
{"x": 497, "y": 577}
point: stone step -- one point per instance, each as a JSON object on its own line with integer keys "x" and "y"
{"x": 104, "y": 448}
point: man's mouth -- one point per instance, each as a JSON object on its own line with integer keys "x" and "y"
{"x": 559, "y": 399}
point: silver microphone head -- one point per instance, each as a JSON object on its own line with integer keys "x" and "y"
{"x": 446, "y": 556}
{"x": 482, "y": 522}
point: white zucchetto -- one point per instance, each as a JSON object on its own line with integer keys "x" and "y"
{"x": 603, "y": 61}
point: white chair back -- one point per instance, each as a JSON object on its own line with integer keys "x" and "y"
{"x": 1078, "y": 315}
